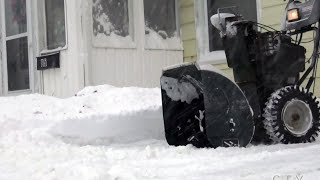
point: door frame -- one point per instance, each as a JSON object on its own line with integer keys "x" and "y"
{"x": 4, "y": 75}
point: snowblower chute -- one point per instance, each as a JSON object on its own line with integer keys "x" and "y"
{"x": 266, "y": 102}
{"x": 204, "y": 108}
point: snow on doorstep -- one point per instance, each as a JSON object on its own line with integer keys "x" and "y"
{"x": 113, "y": 40}
{"x": 154, "y": 40}
{"x": 108, "y": 30}
{"x": 113, "y": 133}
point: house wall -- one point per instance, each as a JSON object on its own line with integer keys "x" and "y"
{"x": 82, "y": 64}
{"x": 126, "y": 67}
{"x": 69, "y": 78}
{"x": 188, "y": 29}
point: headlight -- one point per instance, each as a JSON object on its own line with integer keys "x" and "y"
{"x": 293, "y": 15}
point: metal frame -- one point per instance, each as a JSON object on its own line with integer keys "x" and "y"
{"x": 202, "y": 34}
{"x": 28, "y": 34}
{"x": 3, "y": 47}
{"x": 1, "y": 51}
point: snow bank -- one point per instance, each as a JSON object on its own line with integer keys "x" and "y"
{"x": 154, "y": 40}
{"x": 108, "y": 115}
{"x": 95, "y": 115}
{"x": 113, "y": 40}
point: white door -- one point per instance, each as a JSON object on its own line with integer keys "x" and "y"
{"x": 16, "y": 60}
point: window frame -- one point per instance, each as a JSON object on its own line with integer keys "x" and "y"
{"x": 202, "y": 34}
{"x": 121, "y": 44}
{"x": 44, "y": 50}
{"x": 4, "y": 89}
{"x": 165, "y": 47}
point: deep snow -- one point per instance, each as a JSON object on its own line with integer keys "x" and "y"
{"x": 117, "y": 133}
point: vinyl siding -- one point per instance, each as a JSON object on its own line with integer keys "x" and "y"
{"x": 136, "y": 66}
{"x": 188, "y": 30}
{"x": 69, "y": 78}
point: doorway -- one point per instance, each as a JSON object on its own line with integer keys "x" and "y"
{"x": 17, "y": 68}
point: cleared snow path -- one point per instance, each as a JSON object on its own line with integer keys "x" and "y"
{"x": 117, "y": 133}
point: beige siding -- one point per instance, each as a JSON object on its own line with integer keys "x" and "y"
{"x": 187, "y": 25}
{"x": 272, "y": 12}
{"x": 188, "y": 32}
{"x": 190, "y": 50}
{"x": 187, "y": 12}
{"x": 224, "y": 67}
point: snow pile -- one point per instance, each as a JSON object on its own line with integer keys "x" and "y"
{"x": 114, "y": 133}
{"x": 111, "y": 114}
{"x": 94, "y": 114}
{"x": 155, "y": 41}
{"x": 113, "y": 40}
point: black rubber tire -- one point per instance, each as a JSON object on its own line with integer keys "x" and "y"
{"x": 274, "y": 123}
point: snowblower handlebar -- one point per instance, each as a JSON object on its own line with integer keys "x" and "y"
{"x": 220, "y": 19}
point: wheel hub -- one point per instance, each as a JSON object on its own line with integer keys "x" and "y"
{"x": 297, "y": 117}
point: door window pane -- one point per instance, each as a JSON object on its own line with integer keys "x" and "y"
{"x": 16, "y": 17}
{"x": 161, "y": 24}
{"x": 110, "y": 18}
{"x": 55, "y": 23}
{"x": 247, "y": 8}
{"x": 160, "y": 17}
{"x": 17, "y": 64}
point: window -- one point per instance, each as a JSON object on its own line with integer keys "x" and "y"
{"x": 16, "y": 40}
{"x": 111, "y": 23}
{"x": 208, "y": 37}
{"x": 55, "y": 24}
{"x": 16, "y": 17}
{"x": 161, "y": 30}
{"x": 18, "y": 64}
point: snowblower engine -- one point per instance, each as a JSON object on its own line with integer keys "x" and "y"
{"x": 266, "y": 101}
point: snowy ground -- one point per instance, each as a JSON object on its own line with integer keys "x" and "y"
{"x": 117, "y": 133}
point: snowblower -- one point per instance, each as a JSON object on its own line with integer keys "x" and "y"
{"x": 271, "y": 97}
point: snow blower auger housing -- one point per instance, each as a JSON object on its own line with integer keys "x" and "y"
{"x": 266, "y": 100}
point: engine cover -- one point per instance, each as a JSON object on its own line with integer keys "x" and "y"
{"x": 278, "y": 59}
